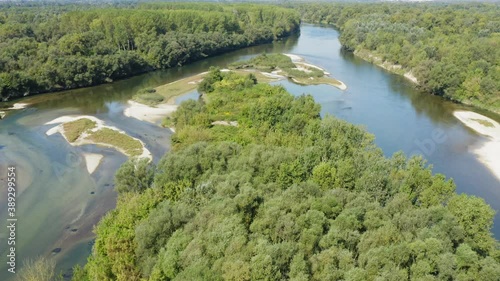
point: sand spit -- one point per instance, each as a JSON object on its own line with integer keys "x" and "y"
{"x": 342, "y": 86}
{"x": 92, "y": 160}
{"x": 295, "y": 58}
{"x": 488, "y": 152}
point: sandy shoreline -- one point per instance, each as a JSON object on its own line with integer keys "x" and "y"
{"x": 82, "y": 139}
{"x": 147, "y": 113}
{"x": 387, "y": 65}
{"x": 342, "y": 86}
{"x": 15, "y": 106}
{"x": 488, "y": 152}
{"x": 18, "y": 106}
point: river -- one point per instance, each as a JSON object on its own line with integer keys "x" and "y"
{"x": 58, "y": 202}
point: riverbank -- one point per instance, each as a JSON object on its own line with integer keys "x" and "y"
{"x": 389, "y": 66}
{"x": 488, "y": 151}
{"x": 5, "y": 111}
{"x": 408, "y": 74}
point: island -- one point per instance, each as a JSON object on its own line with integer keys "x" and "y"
{"x": 82, "y": 130}
{"x": 154, "y": 104}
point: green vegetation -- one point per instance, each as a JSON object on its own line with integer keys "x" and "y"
{"x": 53, "y": 47}
{"x": 484, "y": 122}
{"x": 148, "y": 97}
{"x": 452, "y": 49}
{"x": 40, "y": 269}
{"x": 177, "y": 88}
{"x": 298, "y": 72}
{"x": 134, "y": 176}
{"x": 286, "y": 195}
{"x": 266, "y": 62}
{"x": 174, "y": 89}
{"x": 127, "y": 144}
{"x": 317, "y": 81}
{"x": 74, "y": 129}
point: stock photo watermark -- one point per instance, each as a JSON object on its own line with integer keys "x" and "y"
{"x": 12, "y": 219}
{"x": 428, "y": 146}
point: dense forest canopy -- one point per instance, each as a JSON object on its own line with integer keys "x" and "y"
{"x": 285, "y": 195}
{"x": 61, "y": 47}
{"x": 452, "y": 49}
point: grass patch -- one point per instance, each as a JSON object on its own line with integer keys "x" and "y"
{"x": 485, "y": 123}
{"x": 148, "y": 97}
{"x": 309, "y": 71}
{"x": 129, "y": 145}
{"x": 74, "y": 129}
{"x": 171, "y": 90}
{"x": 318, "y": 81}
{"x": 300, "y": 73}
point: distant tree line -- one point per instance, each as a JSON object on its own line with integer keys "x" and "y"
{"x": 285, "y": 195}
{"x": 452, "y": 49}
{"x": 50, "y": 48}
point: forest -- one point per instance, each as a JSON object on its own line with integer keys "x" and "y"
{"x": 452, "y": 49}
{"x": 285, "y": 194}
{"x": 57, "y": 47}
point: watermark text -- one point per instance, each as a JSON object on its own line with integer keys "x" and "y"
{"x": 11, "y": 220}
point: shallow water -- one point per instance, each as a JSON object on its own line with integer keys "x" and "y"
{"x": 57, "y": 210}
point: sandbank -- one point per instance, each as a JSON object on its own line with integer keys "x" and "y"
{"x": 488, "y": 151}
{"x": 82, "y": 140}
{"x": 148, "y": 113}
{"x": 92, "y": 160}
{"x": 19, "y": 106}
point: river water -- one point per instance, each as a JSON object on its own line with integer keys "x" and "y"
{"x": 58, "y": 202}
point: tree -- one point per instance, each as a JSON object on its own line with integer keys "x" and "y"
{"x": 135, "y": 175}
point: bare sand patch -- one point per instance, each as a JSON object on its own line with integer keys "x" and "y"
{"x": 19, "y": 106}
{"x": 92, "y": 160}
{"x": 488, "y": 152}
{"x": 295, "y": 58}
{"x": 226, "y": 123}
{"x": 148, "y": 113}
